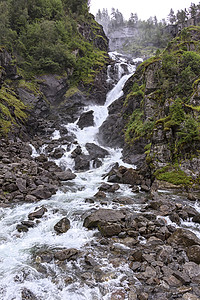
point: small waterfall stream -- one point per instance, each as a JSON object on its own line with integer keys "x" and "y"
{"x": 20, "y": 265}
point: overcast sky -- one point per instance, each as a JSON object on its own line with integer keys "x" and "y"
{"x": 144, "y": 8}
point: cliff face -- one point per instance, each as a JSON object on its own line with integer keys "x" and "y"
{"x": 60, "y": 86}
{"x": 159, "y": 118}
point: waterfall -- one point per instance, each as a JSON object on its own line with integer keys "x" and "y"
{"x": 18, "y": 270}
{"x": 92, "y": 275}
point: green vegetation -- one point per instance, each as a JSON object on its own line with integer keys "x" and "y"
{"x": 48, "y": 36}
{"x": 12, "y": 110}
{"x": 137, "y": 128}
{"x": 45, "y": 36}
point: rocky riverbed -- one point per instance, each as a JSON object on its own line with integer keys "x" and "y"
{"x": 146, "y": 245}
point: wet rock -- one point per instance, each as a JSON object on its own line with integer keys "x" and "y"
{"x": 100, "y": 194}
{"x": 51, "y": 167}
{"x": 44, "y": 256}
{"x": 86, "y": 119}
{"x": 65, "y": 175}
{"x": 191, "y": 197}
{"x": 96, "y": 151}
{"x": 102, "y": 216}
{"x": 196, "y": 219}
{"x": 62, "y": 226}
{"x": 89, "y": 200}
{"x": 76, "y": 151}
{"x": 82, "y": 162}
{"x": 22, "y": 228}
{"x": 69, "y": 254}
{"x": 41, "y": 158}
{"x": 29, "y": 224}
{"x": 37, "y": 214}
{"x": 145, "y": 188}
{"x": 105, "y": 187}
{"x": 28, "y": 295}
{"x": 44, "y": 191}
{"x": 193, "y": 253}
{"x": 124, "y": 175}
{"x": 58, "y": 153}
{"x": 183, "y": 237}
{"x": 90, "y": 262}
{"x": 174, "y": 217}
{"x": 118, "y": 295}
{"x": 124, "y": 200}
{"x": 109, "y": 230}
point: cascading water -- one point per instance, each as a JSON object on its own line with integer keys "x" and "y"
{"x": 17, "y": 268}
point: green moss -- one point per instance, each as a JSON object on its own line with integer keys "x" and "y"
{"x": 196, "y": 108}
{"x": 12, "y": 110}
{"x": 71, "y": 91}
{"x": 174, "y": 175}
{"x": 137, "y": 128}
{"x": 32, "y": 86}
{"x": 136, "y": 92}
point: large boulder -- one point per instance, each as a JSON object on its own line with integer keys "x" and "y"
{"x": 124, "y": 175}
{"x": 38, "y": 213}
{"x": 86, "y": 119}
{"x": 108, "y": 221}
{"x": 62, "y": 226}
{"x": 96, "y": 151}
{"x": 183, "y": 237}
{"x": 82, "y": 162}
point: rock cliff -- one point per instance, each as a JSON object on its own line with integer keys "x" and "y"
{"x": 158, "y": 116}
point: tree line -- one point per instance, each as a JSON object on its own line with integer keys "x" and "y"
{"x": 150, "y": 32}
{"x": 116, "y": 18}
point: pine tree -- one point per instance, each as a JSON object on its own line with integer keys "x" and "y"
{"x": 171, "y": 17}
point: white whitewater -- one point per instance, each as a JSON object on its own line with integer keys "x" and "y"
{"x": 17, "y": 269}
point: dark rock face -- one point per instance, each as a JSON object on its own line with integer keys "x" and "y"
{"x": 110, "y": 132}
{"x": 96, "y": 151}
{"x": 9, "y": 69}
{"x": 86, "y": 119}
{"x": 53, "y": 87}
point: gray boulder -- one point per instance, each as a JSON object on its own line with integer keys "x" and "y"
{"x": 62, "y": 226}
{"x": 183, "y": 237}
{"x": 86, "y": 119}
